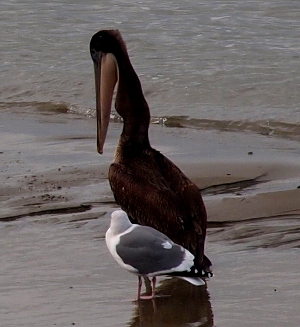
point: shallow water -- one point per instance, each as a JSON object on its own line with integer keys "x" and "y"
{"x": 61, "y": 274}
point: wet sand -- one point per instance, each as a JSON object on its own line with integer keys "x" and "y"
{"x": 55, "y": 207}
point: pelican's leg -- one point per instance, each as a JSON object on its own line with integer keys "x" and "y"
{"x": 148, "y": 287}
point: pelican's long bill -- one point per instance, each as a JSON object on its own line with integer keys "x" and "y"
{"x": 106, "y": 77}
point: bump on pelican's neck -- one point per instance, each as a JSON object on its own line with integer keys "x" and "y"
{"x": 132, "y": 106}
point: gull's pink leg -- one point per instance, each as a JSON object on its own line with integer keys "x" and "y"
{"x": 140, "y": 287}
{"x": 153, "y": 286}
{"x": 146, "y": 297}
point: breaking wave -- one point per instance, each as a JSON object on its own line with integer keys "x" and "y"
{"x": 264, "y": 127}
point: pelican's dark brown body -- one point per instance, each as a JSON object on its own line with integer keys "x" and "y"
{"x": 147, "y": 185}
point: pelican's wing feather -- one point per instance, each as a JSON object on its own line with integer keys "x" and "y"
{"x": 154, "y": 192}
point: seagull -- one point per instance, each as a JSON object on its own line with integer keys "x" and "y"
{"x": 146, "y": 252}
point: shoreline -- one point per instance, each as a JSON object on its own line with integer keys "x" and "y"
{"x": 50, "y": 162}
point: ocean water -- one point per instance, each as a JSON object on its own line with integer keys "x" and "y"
{"x": 228, "y": 65}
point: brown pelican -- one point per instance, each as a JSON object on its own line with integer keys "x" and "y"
{"x": 148, "y": 186}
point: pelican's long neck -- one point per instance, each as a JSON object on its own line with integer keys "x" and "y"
{"x": 132, "y": 106}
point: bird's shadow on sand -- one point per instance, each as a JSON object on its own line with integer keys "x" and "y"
{"x": 177, "y": 303}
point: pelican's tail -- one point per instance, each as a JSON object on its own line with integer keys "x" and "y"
{"x": 206, "y": 267}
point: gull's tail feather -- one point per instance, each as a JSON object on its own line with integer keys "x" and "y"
{"x": 197, "y": 281}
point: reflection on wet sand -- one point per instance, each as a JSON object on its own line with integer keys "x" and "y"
{"x": 177, "y": 303}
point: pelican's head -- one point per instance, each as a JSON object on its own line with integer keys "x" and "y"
{"x": 105, "y": 47}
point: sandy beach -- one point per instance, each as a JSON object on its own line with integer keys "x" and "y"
{"x": 55, "y": 209}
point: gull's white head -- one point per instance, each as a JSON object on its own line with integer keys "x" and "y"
{"x": 119, "y": 222}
